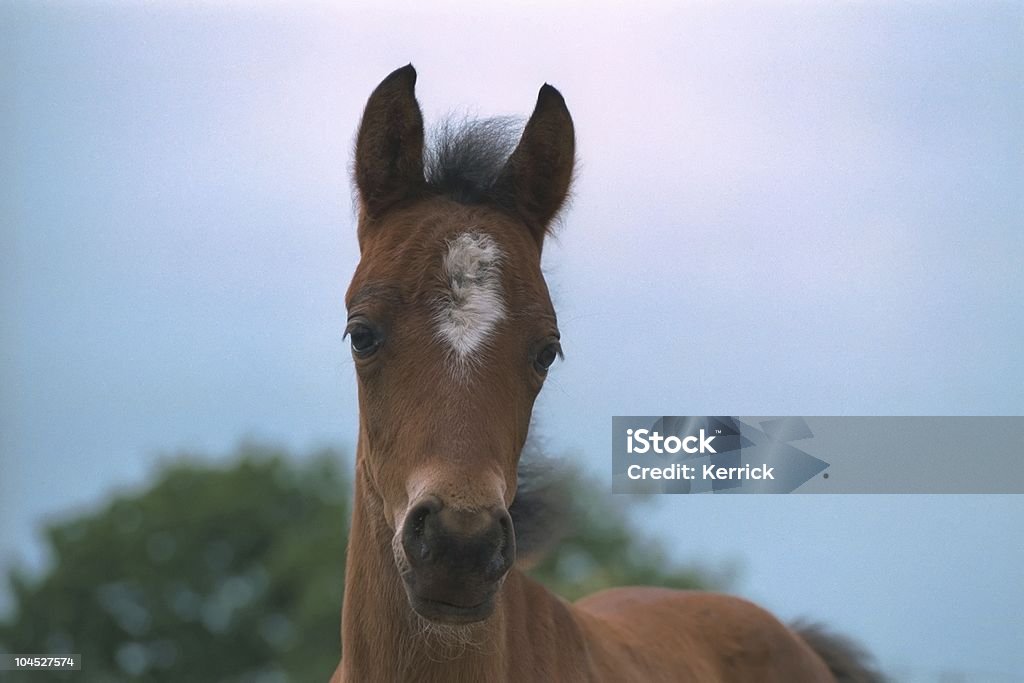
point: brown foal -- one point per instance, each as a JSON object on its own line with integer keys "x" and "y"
{"x": 452, "y": 333}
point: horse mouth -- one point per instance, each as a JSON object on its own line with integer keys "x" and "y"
{"x": 450, "y": 613}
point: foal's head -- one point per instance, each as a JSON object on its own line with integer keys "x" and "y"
{"x": 452, "y": 334}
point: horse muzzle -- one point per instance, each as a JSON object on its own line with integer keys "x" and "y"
{"x": 455, "y": 560}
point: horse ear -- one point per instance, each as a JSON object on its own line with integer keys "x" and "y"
{"x": 536, "y": 178}
{"x": 389, "y": 147}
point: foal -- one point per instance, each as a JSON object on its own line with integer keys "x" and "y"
{"x": 452, "y": 332}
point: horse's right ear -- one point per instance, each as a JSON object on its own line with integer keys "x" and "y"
{"x": 389, "y": 148}
{"x": 537, "y": 176}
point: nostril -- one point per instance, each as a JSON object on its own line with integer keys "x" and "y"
{"x": 414, "y": 535}
{"x": 421, "y": 511}
{"x": 505, "y": 521}
{"x": 505, "y": 556}
{"x": 419, "y": 520}
{"x": 498, "y": 565}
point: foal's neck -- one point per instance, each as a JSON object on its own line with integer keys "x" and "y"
{"x": 382, "y": 638}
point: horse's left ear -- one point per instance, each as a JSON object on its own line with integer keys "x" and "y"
{"x": 535, "y": 181}
{"x": 389, "y": 148}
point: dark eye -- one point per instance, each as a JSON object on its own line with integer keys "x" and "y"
{"x": 546, "y": 356}
{"x": 364, "y": 339}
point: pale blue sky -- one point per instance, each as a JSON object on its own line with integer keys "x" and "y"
{"x": 787, "y": 209}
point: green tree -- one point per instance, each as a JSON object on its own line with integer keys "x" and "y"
{"x": 235, "y": 572}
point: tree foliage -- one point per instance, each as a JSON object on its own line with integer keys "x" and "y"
{"x": 235, "y": 572}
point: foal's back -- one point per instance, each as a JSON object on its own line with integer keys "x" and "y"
{"x": 658, "y": 634}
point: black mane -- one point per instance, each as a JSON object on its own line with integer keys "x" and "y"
{"x": 465, "y": 158}
{"x": 542, "y": 510}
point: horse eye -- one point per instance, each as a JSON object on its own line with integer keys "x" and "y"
{"x": 364, "y": 340}
{"x": 546, "y": 356}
